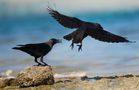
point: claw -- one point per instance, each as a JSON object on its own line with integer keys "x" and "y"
{"x": 72, "y": 45}
{"x": 47, "y": 65}
{"x": 38, "y": 64}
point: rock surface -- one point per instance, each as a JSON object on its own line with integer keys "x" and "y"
{"x": 41, "y": 77}
{"x": 34, "y": 76}
{"x": 124, "y": 82}
{"x": 127, "y": 82}
{"x": 7, "y": 82}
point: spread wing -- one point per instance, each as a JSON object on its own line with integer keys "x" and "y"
{"x": 106, "y": 36}
{"x": 66, "y": 21}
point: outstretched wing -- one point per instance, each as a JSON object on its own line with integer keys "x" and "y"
{"x": 106, "y": 36}
{"x": 66, "y": 21}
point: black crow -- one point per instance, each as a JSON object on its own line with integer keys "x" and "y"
{"x": 39, "y": 49}
{"x": 84, "y": 29}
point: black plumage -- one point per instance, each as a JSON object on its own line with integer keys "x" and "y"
{"x": 84, "y": 29}
{"x": 38, "y": 50}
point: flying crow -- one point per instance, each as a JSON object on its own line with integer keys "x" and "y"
{"x": 84, "y": 29}
{"x": 39, "y": 49}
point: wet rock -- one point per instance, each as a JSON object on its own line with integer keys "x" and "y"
{"x": 35, "y": 75}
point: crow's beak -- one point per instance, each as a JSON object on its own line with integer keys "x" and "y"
{"x": 59, "y": 40}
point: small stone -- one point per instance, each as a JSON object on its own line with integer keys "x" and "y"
{"x": 35, "y": 75}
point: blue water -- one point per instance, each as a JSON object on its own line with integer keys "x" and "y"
{"x": 96, "y": 57}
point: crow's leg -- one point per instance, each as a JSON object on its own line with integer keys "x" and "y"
{"x": 72, "y": 45}
{"x": 45, "y": 64}
{"x": 37, "y": 62}
{"x": 80, "y": 47}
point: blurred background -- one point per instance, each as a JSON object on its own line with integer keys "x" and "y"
{"x": 27, "y": 21}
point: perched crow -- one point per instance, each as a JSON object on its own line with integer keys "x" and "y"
{"x": 84, "y": 29}
{"x": 39, "y": 49}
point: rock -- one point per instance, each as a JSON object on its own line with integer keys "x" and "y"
{"x": 35, "y": 75}
{"x": 8, "y": 81}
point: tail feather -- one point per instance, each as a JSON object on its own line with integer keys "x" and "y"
{"x": 67, "y": 37}
{"x": 16, "y": 48}
{"x": 20, "y": 45}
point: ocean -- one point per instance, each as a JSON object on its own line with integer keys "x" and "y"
{"x": 95, "y": 58}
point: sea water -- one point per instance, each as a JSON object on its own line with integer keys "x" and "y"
{"x": 96, "y": 57}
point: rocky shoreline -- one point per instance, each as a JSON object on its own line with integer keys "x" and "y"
{"x": 42, "y": 78}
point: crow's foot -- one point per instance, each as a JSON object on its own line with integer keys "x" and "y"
{"x": 80, "y": 47}
{"x": 72, "y": 45}
{"x": 39, "y": 64}
{"x": 46, "y": 64}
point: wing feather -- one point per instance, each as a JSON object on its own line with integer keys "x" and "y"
{"x": 106, "y": 36}
{"x": 66, "y": 21}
